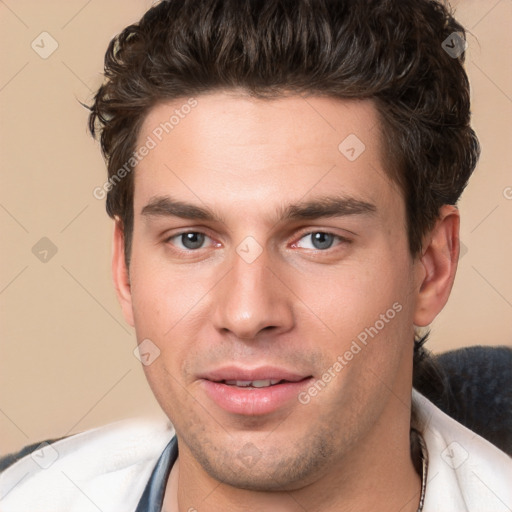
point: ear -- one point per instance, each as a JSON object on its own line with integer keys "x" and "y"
{"x": 438, "y": 265}
{"x": 120, "y": 273}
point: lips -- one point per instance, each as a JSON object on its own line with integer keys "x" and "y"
{"x": 256, "y": 391}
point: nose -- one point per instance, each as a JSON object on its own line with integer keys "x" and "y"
{"x": 253, "y": 298}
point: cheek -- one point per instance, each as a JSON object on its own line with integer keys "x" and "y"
{"x": 162, "y": 295}
{"x": 169, "y": 309}
{"x": 353, "y": 297}
{"x": 367, "y": 306}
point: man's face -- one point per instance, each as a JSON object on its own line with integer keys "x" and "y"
{"x": 268, "y": 286}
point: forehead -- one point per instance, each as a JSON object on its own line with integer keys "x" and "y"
{"x": 227, "y": 147}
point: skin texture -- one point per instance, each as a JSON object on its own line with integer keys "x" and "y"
{"x": 294, "y": 306}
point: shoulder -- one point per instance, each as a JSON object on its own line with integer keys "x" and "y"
{"x": 80, "y": 472}
{"x": 465, "y": 472}
{"x": 11, "y": 458}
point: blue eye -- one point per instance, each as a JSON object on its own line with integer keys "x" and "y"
{"x": 190, "y": 241}
{"x": 319, "y": 240}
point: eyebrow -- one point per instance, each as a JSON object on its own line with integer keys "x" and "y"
{"x": 328, "y": 206}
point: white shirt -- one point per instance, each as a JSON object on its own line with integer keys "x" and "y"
{"x": 108, "y": 468}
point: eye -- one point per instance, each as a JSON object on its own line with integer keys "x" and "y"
{"x": 319, "y": 240}
{"x": 189, "y": 241}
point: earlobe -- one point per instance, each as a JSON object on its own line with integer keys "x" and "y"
{"x": 120, "y": 272}
{"x": 439, "y": 265}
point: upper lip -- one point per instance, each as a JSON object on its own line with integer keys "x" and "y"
{"x": 229, "y": 373}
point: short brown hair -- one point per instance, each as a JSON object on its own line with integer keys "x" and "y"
{"x": 389, "y": 50}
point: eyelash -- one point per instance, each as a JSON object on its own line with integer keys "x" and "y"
{"x": 341, "y": 240}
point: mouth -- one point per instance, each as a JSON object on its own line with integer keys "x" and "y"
{"x": 253, "y": 392}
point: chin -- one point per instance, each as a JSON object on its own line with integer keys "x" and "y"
{"x": 283, "y": 468}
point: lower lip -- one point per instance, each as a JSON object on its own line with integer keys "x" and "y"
{"x": 251, "y": 401}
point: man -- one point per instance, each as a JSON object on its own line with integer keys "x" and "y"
{"x": 283, "y": 177}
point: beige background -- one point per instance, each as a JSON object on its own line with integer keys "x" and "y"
{"x": 66, "y": 360}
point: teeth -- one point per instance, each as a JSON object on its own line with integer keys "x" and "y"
{"x": 253, "y": 383}
{"x": 260, "y": 383}
{"x": 239, "y": 383}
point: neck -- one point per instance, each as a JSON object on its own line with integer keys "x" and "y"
{"x": 378, "y": 474}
